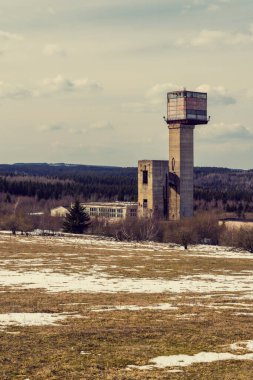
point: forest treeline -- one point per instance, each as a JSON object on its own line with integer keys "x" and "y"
{"x": 89, "y": 183}
{"x": 229, "y": 190}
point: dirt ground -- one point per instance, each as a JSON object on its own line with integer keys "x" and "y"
{"x": 120, "y": 306}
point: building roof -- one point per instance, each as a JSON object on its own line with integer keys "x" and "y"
{"x": 60, "y": 208}
{"x": 236, "y": 220}
{"x": 109, "y": 204}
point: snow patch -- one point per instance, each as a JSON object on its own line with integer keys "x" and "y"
{"x": 97, "y": 281}
{"x": 163, "y": 306}
{"x": 187, "y": 360}
{"x": 246, "y": 345}
{"x": 109, "y": 243}
{"x": 31, "y": 319}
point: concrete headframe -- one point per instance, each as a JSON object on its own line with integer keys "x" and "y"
{"x": 185, "y": 110}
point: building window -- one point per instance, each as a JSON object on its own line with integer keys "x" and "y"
{"x": 145, "y": 203}
{"x": 145, "y": 177}
{"x": 120, "y": 213}
{"x": 133, "y": 212}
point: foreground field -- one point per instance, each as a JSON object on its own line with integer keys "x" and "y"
{"x": 84, "y": 308}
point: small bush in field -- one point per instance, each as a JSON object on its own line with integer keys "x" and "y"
{"x": 245, "y": 239}
{"x": 132, "y": 230}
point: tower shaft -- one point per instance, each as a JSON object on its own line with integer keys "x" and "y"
{"x": 180, "y": 171}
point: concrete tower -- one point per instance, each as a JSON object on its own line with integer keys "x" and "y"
{"x": 185, "y": 110}
{"x": 153, "y": 188}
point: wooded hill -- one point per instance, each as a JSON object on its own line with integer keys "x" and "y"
{"x": 225, "y": 189}
{"x": 45, "y": 181}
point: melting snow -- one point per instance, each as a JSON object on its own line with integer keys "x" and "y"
{"x": 95, "y": 281}
{"x": 31, "y": 319}
{"x": 110, "y": 244}
{"x": 162, "y": 306}
{"x": 246, "y": 345}
{"x": 186, "y": 360}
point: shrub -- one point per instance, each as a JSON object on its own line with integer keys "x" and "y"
{"x": 128, "y": 229}
{"x": 245, "y": 239}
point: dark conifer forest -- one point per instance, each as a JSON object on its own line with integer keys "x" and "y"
{"x": 228, "y": 190}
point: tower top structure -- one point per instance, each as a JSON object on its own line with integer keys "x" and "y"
{"x": 186, "y": 107}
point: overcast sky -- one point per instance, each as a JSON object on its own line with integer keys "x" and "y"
{"x": 85, "y": 81}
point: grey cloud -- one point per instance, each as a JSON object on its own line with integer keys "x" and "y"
{"x": 10, "y": 36}
{"x": 54, "y": 49}
{"x": 8, "y": 91}
{"x": 48, "y": 86}
{"x": 94, "y": 127}
{"x": 61, "y": 84}
{"x": 221, "y": 133}
{"x": 101, "y": 125}
{"x": 51, "y": 10}
{"x": 221, "y": 100}
{"x": 155, "y": 96}
{"x": 209, "y": 37}
{"x": 140, "y": 107}
{"x": 50, "y": 128}
{"x": 152, "y": 100}
{"x": 76, "y": 131}
{"x": 217, "y": 95}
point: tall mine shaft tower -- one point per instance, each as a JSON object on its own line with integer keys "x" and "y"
{"x": 185, "y": 110}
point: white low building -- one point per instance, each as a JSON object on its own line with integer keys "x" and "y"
{"x": 111, "y": 210}
{"x": 236, "y": 224}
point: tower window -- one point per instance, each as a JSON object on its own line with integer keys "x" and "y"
{"x": 145, "y": 203}
{"x": 145, "y": 177}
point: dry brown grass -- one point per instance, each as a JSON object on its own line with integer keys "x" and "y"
{"x": 112, "y": 340}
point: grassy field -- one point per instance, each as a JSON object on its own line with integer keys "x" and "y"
{"x": 115, "y": 307}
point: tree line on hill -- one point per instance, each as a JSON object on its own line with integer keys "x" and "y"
{"x": 223, "y": 189}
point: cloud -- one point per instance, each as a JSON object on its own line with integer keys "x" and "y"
{"x": 221, "y": 132}
{"x": 101, "y": 125}
{"x": 53, "y": 49}
{"x": 138, "y": 107}
{"x": 10, "y": 36}
{"x": 60, "y": 84}
{"x": 8, "y": 91}
{"x": 75, "y": 131}
{"x": 48, "y": 86}
{"x": 51, "y": 10}
{"x": 208, "y": 37}
{"x": 217, "y": 95}
{"x": 155, "y": 97}
{"x": 157, "y": 93}
{"x": 98, "y": 126}
{"x": 213, "y": 8}
{"x": 50, "y": 128}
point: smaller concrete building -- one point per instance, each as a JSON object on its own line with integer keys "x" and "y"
{"x": 111, "y": 210}
{"x": 59, "y": 211}
{"x": 153, "y": 188}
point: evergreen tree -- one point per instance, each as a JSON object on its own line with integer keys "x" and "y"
{"x": 76, "y": 220}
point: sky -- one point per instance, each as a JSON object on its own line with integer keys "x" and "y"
{"x": 86, "y": 81}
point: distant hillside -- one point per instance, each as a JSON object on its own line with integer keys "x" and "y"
{"x": 55, "y": 181}
{"x": 62, "y": 170}
{"x": 226, "y": 189}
